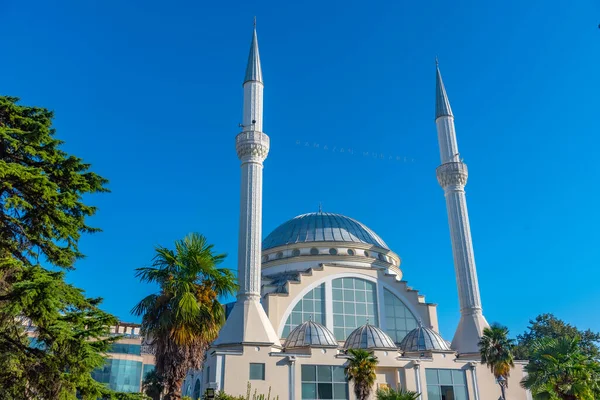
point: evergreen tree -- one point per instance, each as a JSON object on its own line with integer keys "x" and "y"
{"x": 548, "y": 326}
{"x": 42, "y": 216}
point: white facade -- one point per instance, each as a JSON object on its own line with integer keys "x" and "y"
{"x": 322, "y": 283}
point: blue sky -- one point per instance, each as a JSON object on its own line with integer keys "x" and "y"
{"x": 149, "y": 92}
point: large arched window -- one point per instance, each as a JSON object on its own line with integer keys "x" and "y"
{"x": 354, "y": 303}
{"x": 398, "y": 318}
{"x": 312, "y": 306}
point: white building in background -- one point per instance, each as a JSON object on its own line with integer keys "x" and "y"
{"x": 322, "y": 283}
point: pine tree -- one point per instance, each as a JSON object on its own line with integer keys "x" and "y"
{"x": 42, "y": 216}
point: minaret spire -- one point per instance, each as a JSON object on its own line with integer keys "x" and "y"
{"x": 248, "y": 323}
{"x": 253, "y": 69}
{"x": 452, "y": 175}
{"x": 442, "y": 104}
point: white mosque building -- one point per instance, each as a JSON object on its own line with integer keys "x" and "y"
{"x": 323, "y": 283}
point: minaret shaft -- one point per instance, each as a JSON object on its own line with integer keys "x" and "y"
{"x": 253, "y": 106}
{"x": 447, "y": 139}
{"x": 452, "y": 176}
{"x": 250, "y": 229}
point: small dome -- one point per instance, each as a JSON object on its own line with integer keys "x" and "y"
{"x": 310, "y": 334}
{"x": 423, "y": 339}
{"x": 369, "y": 337}
{"x": 322, "y": 227}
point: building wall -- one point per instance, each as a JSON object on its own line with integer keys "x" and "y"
{"x": 283, "y": 373}
{"x": 127, "y": 362}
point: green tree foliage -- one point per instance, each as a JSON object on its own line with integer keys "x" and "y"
{"x": 152, "y": 385}
{"x": 42, "y": 216}
{"x": 361, "y": 370}
{"x": 548, "y": 326}
{"x": 399, "y": 394}
{"x": 496, "y": 350}
{"x": 185, "y": 316}
{"x": 559, "y": 370}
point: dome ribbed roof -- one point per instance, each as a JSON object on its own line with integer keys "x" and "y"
{"x": 369, "y": 337}
{"x": 322, "y": 227}
{"x": 423, "y": 339}
{"x": 310, "y": 334}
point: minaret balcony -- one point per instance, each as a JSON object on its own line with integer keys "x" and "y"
{"x": 452, "y": 174}
{"x": 253, "y": 144}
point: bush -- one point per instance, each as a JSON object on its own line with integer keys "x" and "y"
{"x": 399, "y": 394}
{"x": 249, "y": 395}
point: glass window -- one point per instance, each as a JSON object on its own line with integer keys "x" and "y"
{"x": 257, "y": 371}
{"x": 323, "y": 382}
{"x": 146, "y": 370}
{"x": 399, "y": 319}
{"x": 356, "y": 302}
{"x": 120, "y": 375}
{"x": 124, "y": 348}
{"x": 196, "y": 394}
{"x": 445, "y": 384}
{"x": 312, "y": 306}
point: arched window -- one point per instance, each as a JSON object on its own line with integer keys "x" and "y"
{"x": 196, "y": 395}
{"x": 398, "y": 318}
{"x": 354, "y": 303}
{"x": 312, "y": 306}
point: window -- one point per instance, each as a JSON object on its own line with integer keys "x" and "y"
{"x": 120, "y": 375}
{"x": 323, "y": 382}
{"x": 312, "y": 306}
{"x": 398, "y": 318}
{"x": 124, "y": 348}
{"x": 207, "y": 375}
{"x": 196, "y": 394}
{"x": 382, "y": 257}
{"x": 314, "y": 251}
{"x": 279, "y": 255}
{"x": 333, "y": 251}
{"x": 354, "y": 303}
{"x": 350, "y": 252}
{"x": 257, "y": 371}
{"x": 265, "y": 258}
{"x": 366, "y": 253}
{"x": 446, "y": 384}
{"x": 146, "y": 370}
{"x": 296, "y": 252}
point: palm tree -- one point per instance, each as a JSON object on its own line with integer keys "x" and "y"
{"x": 496, "y": 352}
{"x": 361, "y": 370}
{"x": 400, "y": 394}
{"x": 185, "y": 316}
{"x": 559, "y": 370}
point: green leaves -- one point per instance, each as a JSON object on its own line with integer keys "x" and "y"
{"x": 400, "y": 394}
{"x": 558, "y": 369}
{"x": 41, "y": 207}
{"x": 42, "y": 217}
{"x": 496, "y": 350}
{"x": 185, "y": 316}
{"x": 361, "y": 369}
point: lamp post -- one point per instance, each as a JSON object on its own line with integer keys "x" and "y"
{"x": 502, "y": 382}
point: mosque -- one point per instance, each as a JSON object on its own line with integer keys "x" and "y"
{"x": 323, "y": 283}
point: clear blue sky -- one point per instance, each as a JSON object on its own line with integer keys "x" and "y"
{"x": 149, "y": 92}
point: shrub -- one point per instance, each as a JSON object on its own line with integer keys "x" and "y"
{"x": 399, "y": 394}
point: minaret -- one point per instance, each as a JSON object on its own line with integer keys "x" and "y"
{"x": 248, "y": 323}
{"x": 452, "y": 175}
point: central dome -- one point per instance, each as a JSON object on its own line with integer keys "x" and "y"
{"x": 322, "y": 227}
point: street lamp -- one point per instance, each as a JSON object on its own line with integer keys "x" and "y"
{"x": 502, "y": 382}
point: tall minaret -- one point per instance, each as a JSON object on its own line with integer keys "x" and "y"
{"x": 452, "y": 175}
{"x": 248, "y": 322}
